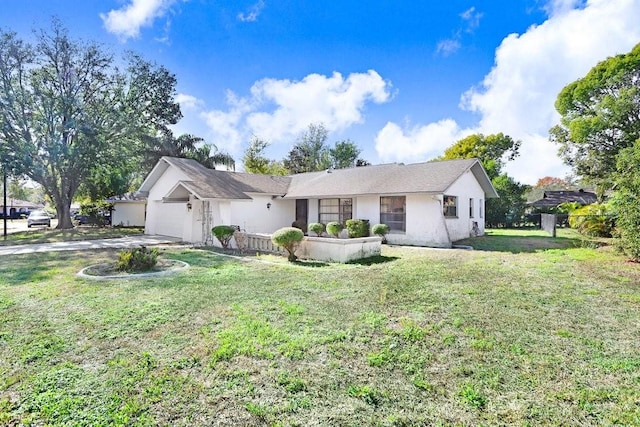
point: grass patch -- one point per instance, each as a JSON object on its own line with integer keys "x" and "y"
{"x": 544, "y": 336}
{"x": 48, "y": 235}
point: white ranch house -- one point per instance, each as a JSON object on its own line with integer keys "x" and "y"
{"x": 425, "y": 204}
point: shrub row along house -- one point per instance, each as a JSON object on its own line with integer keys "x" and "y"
{"x": 424, "y": 204}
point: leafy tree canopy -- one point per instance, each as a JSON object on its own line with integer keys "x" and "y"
{"x": 600, "y": 115}
{"x": 68, "y": 110}
{"x": 256, "y": 162}
{"x": 492, "y": 151}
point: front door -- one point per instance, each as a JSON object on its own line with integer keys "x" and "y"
{"x": 302, "y": 214}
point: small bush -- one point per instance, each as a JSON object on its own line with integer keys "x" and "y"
{"x": 381, "y": 230}
{"x": 358, "y": 227}
{"x": 593, "y": 220}
{"x": 223, "y": 233}
{"x": 288, "y": 238}
{"x": 137, "y": 259}
{"x": 316, "y": 228}
{"x": 334, "y": 228}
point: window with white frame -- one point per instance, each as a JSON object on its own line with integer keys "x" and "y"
{"x": 450, "y": 206}
{"x": 470, "y": 207}
{"x": 393, "y": 212}
{"x": 338, "y": 210}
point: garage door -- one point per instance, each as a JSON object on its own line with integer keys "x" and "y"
{"x": 168, "y": 219}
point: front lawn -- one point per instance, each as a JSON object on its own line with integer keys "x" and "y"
{"x": 414, "y": 337}
{"x": 83, "y": 232}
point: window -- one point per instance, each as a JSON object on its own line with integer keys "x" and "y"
{"x": 450, "y": 206}
{"x": 393, "y": 212}
{"x": 471, "y": 208}
{"x": 480, "y": 206}
{"x": 338, "y": 210}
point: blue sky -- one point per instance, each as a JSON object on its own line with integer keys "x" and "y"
{"x": 402, "y": 79}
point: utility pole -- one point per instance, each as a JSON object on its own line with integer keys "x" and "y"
{"x": 4, "y": 202}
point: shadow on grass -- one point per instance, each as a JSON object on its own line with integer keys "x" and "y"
{"x": 377, "y": 259}
{"x": 522, "y": 244}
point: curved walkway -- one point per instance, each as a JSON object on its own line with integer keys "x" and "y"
{"x": 116, "y": 243}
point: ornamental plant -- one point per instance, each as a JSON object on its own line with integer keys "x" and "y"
{"x": 223, "y": 233}
{"x": 288, "y": 238}
{"x": 137, "y": 259}
{"x": 317, "y": 228}
{"x": 381, "y": 230}
{"x": 334, "y": 228}
{"x": 358, "y": 227}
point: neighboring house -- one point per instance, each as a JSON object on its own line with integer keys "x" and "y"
{"x": 17, "y": 208}
{"x": 424, "y": 204}
{"x": 552, "y": 199}
{"x": 128, "y": 210}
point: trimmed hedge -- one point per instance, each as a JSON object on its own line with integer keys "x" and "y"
{"x": 224, "y": 234}
{"x": 317, "y": 228}
{"x": 381, "y": 230}
{"x": 358, "y": 227}
{"x": 288, "y": 238}
{"x": 334, "y": 228}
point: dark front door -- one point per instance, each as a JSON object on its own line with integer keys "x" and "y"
{"x": 302, "y": 214}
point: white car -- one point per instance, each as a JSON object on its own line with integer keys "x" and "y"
{"x": 38, "y": 218}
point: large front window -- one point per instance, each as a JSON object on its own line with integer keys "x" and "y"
{"x": 393, "y": 212}
{"x": 338, "y": 210}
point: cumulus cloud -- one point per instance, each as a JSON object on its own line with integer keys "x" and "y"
{"x": 279, "y": 110}
{"x": 127, "y": 21}
{"x": 189, "y": 101}
{"x": 517, "y": 96}
{"x": 252, "y": 13}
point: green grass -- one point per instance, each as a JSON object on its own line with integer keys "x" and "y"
{"x": 546, "y": 335}
{"x": 48, "y": 235}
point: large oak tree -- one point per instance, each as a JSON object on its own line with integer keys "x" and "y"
{"x": 600, "y": 116}
{"x": 67, "y": 111}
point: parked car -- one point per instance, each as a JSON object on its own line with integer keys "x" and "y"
{"x": 38, "y": 218}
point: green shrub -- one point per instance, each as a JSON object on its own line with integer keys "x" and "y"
{"x": 137, "y": 259}
{"x": 334, "y": 228}
{"x": 317, "y": 228}
{"x": 96, "y": 213}
{"x": 381, "y": 230}
{"x": 223, "y": 233}
{"x": 627, "y": 231}
{"x": 592, "y": 220}
{"x": 288, "y": 238}
{"x": 358, "y": 227}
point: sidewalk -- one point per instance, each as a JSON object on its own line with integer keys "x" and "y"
{"x": 120, "y": 242}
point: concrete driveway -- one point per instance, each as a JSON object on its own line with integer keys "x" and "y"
{"x": 117, "y": 243}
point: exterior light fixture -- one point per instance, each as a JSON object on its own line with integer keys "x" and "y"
{"x": 268, "y": 205}
{"x": 189, "y": 206}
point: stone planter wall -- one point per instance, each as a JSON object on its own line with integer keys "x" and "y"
{"x": 338, "y": 250}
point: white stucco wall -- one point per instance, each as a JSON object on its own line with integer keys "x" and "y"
{"x": 464, "y": 188}
{"x": 254, "y": 217}
{"x": 166, "y": 219}
{"x": 128, "y": 214}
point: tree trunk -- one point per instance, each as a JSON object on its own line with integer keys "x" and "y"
{"x": 63, "y": 211}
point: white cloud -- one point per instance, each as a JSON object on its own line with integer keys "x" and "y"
{"x": 279, "y": 110}
{"x": 127, "y": 21}
{"x": 253, "y": 12}
{"x": 471, "y": 21}
{"x": 517, "y": 96}
{"x": 448, "y": 46}
{"x": 421, "y": 142}
{"x": 189, "y": 101}
{"x": 472, "y": 18}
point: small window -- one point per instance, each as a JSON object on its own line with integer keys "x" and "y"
{"x": 393, "y": 212}
{"x": 480, "y": 206}
{"x": 338, "y": 210}
{"x": 471, "y": 208}
{"x": 450, "y": 206}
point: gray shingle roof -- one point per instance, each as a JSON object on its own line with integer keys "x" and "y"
{"x": 555, "y": 198}
{"x": 212, "y": 184}
{"x": 394, "y": 178}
